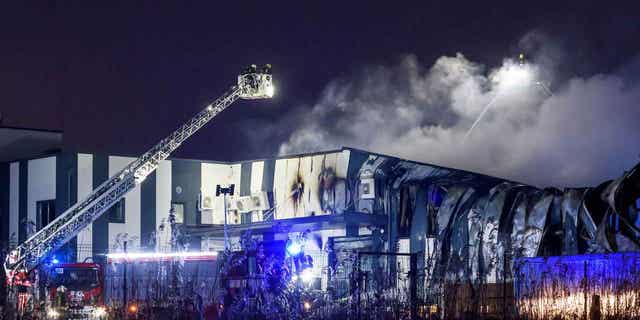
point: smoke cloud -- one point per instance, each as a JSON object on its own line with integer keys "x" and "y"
{"x": 583, "y": 133}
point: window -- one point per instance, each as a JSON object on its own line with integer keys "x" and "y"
{"x": 178, "y": 209}
{"x": 614, "y": 222}
{"x": 116, "y": 213}
{"x": 69, "y": 187}
{"x": 46, "y": 212}
{"x": 75, "y": 278}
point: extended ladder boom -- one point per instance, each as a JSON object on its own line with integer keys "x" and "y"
{"x": 252, "y": 84}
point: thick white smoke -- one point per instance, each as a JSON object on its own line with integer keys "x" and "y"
{"x": 586, "y": 132}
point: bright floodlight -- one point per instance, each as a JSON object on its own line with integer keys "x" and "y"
{"x": 100, "y": 312}
{"x": 256, "y": 84}
{"x": 133, "y": 308}
{"x": 307, "y": 275}
{"x": 506, "y": 79}
{"x": 293, "y": 248}
{"x": 53, "y": 314}
{"x": 151, "y": 256}
{"x": 270, "y": 91}
{"x": 515, "y": 75}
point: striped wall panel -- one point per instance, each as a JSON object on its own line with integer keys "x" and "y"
{"x": 129, "y": 230}
{"x": 70, "y": 177}
{"x": 85, "y": 186}
{"x": 4, "y": 203}
{"x": 14, "y": 201}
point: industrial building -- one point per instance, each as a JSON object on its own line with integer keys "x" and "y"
{"x": 463, "y": 228}
{"x": 306, "y": 190}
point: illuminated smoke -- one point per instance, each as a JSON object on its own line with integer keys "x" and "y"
{"x": 586, "y": 132}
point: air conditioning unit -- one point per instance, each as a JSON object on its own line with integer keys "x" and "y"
{"x": 367, "y": 188}
{"x": 256, "y": 201}
{"x": 206, "y": 202}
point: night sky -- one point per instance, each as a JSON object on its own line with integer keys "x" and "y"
{"x": 118, "y": 78}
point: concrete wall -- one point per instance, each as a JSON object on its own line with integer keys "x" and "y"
{"x": 214, "y": 174}
{"x": 130, "y": 229}
{"x": 100, "y": 227}
{"x": 85, "y": 186}
{"x": 163, "y": 204}
{"x": 186, "y": 183}
{"x": 4, "y": 203}
{"x": 144, "y": 211}
{"x": 41, "y": 183}
{"x": 257, "y": 173}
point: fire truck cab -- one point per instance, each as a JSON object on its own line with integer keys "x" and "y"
{"x": 75, "y": 291}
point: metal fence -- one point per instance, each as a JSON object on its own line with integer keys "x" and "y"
{"x": 158, "y": 283}
{"x": 386, "y": 285}
{"x": 597, "y": 286}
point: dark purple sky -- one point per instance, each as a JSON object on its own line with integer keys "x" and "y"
{"x": 118, "y": 78}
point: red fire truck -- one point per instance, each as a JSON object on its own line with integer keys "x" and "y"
{"x": 75, "y": 291}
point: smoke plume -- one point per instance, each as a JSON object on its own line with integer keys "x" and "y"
{"x": 583, "y": 133}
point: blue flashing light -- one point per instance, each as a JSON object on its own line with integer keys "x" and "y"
{"x": 294, "y": 248}
{"x": 54, "y": 260}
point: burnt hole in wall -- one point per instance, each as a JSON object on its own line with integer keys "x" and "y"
{"x": 326, "y": 187}
{"x": 297, "y": 191}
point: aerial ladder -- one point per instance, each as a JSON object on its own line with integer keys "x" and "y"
{"x": 253, "y": 83}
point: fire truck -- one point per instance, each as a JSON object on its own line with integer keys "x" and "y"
{"x": 24, "y": 260}
{"x": 75, "y": 291}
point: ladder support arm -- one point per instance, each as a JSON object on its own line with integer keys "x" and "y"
{"x": 27, "y": 256}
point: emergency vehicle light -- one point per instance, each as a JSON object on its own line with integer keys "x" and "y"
{"x": 151, "y": 256}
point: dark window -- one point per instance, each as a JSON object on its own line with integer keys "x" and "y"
{"x": 614, "y": 222}
{"x": 178, "y": 209}
{"x": 116, "y": 213}
{"x": 46, "y": 212}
